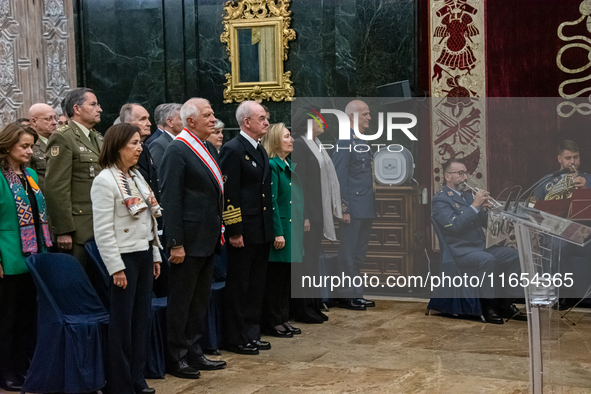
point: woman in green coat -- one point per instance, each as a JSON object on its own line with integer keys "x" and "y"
{"x": 23, "y": 231}
{"x": 288, "y": 223}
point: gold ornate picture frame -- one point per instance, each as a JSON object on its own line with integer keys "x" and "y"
{"x": 257, "y": 36}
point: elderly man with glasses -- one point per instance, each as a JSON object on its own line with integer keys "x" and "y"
{"x": 461, "y": 218}
{"x": 44, "y": 121}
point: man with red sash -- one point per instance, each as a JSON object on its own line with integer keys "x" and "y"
{"x": 192, "y": 197}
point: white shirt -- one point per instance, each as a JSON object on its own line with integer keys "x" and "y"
{"x": 169, "y": 133}
{"x": 43, "y": 139}
{"x": 84, "y": 129}
{"x": 249, "y": 139}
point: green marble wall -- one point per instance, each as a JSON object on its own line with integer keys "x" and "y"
{"x": 155, "y": 51}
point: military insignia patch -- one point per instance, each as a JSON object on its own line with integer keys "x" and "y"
{"x": 246, "y": 157}
{"x": 450, "y": 193}
{"x": 99, "y": 136}
{"x": 457, "y": 206}
{"x": 55, "y": 150}
{"x": 254, "y": 164}
{"x": 82, "y": 149}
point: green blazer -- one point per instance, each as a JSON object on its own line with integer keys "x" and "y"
{"x": 11, "y": 251}
{"x": 288, "y": 211}
{"x": 72, "y": 165}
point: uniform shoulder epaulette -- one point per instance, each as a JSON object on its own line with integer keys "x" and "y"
{"x": 62, "y": 129}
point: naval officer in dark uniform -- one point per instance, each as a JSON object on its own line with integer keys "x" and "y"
{"x": 72, "y": 165}
{"x": 248, "y": 220}
{"x": 354, "y": 171}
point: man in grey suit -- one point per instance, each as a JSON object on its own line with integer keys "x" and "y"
{"x": 160, "y": 120}
{"x": 172, "y": 126}
{"x": 43, "y": 121}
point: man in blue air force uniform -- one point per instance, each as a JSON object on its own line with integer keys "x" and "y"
{"x": 354, "y": 171}
{"x": 461, "y": 218}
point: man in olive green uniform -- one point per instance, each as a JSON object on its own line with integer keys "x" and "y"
{"x": 44, "y": 121}
{"x": 72, "y": 163}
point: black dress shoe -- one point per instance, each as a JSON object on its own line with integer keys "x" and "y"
{"x": 212, "y": 352}
{"x": 182, "y": 369}
{"x": 352, "y": 305}
{"x": 147, "y": 390}
{"x": 11, "y": 382}
{"x": 292, "y": 329}
{"x": 491, "y": 316}
{"x": 367, "y": 303}
{"x": 277, "y": 333}
{"x": 204, "y": 364}
{"x": 248, "y": 349}
{"x": 513, "y": 313}
{"x": 322, "y": 315}
{"x": 261, "y": 345}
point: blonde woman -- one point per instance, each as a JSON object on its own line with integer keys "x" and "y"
{"x": 288, "y": 223}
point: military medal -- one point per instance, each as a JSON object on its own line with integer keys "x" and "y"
{"x": 254, "y": 164}
{"x": 92, "y": 175}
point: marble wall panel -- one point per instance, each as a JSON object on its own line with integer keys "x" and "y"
{"x": 153, "y": 51}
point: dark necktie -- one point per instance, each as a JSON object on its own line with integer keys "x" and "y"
{"x": 94, "y": 141}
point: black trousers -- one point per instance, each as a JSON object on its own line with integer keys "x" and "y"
{"x": 277, "y": 294}
{"x": 189, "y": 289}
{"x": 245, "y": 288}
{"x": 353, "y": 243}
{"x": 129, "y": 325}
{"x": 306, "y": 299}
{"x": 18, "y": 323}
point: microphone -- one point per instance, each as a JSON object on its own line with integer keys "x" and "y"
{"x": 533, "y": 187}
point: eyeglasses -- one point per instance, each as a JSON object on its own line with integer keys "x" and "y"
{"x": 50, "y": 118}
{"x": 261, "y": 118}
{"x": 460, "y": 173}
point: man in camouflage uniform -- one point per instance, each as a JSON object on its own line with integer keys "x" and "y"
{"x": 72, "y": 163}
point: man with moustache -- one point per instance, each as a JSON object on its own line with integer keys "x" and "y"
{"x": 461, "y": 218}
{"x": 248, "y": 220}
{"x": 72, "y": 164}
{"x": 44, "y": 121}
{"x": 354, "y": 171}
{"x": 192, "y": 197}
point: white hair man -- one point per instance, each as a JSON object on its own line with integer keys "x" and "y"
{"x": 248, "y": 220}
{"x": 192, "y": 197}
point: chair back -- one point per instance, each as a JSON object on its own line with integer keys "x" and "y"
{"x": 63, "y": 286}
{"x": 101, "y": 280}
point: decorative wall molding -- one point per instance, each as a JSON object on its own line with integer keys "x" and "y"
{"x": 37, "y": 56}
{"x": 11, "y": 96}
{"x": 458, "y": 87}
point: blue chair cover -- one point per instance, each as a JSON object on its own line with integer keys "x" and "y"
{"x": 155, "y": 365}
{"x": 463, "y": 301}
{"x": 212, "y": 332}
{"x": 101, "y": 280}
{"x": 71, "y": 328}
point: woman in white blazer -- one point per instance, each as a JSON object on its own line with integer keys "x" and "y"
{"x": 125, "y": 230}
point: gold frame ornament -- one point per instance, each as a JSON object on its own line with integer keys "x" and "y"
{"x": 241, "y": 14}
